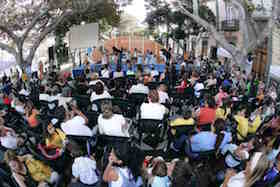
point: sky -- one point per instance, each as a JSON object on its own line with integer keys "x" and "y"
{"x": 137, "y": 9}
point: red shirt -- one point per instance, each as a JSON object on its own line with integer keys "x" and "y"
{"x": 7, "y": 101}
{"x": 206, "y": 116}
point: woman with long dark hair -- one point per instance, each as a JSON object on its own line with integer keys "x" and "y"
{"x": 121, "y": 170}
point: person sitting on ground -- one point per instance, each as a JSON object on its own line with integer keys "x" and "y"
{"x": 120, "y": 170}
{"x": 26, "y": 170}
{"x": 159, "y": 175}
{"x": 99, "y": 93}
{"x": 111, "y": 124}
{"x": 153, "y": 109}
{"x": 75, "y": 122}
{"x": 139, "y": 87}
{"x": 163, "y": 95}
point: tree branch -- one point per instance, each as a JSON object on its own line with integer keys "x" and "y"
{"x": 47, "y": 31}
{"x": 33, "y": 23}
{"x": 216, "y": 35}
{"x": 10, "y": 33}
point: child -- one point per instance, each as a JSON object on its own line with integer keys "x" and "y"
{"x": 160, "y": 178}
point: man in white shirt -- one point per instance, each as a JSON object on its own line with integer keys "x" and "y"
{"x": 111, "y": 124}
{"x": 140, "y": 87}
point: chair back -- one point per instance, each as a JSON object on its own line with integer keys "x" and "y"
{"x": 128, "y": 109}
{"x": 96, "y": 104}
{"x": 205, "y": 127}
{"x": 83, "y": 101}
{"x": 137, "y": 98}
{"x": 185, "y": 129}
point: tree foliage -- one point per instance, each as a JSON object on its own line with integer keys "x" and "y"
{"x": 24, "y": 24}
{"x": 160, "y": 13}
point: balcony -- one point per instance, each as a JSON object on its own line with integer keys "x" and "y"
{"x": 230, "y": 25}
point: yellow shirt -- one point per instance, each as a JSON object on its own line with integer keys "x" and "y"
{"x": 24, "y": 77}
{"x": 221, "y": 114}
{"x": 180, "y": 122}
{"x": 56, "y": 140}
{"x": 38, "y": 171}
{"x": 255, "y": 125}
{"x": 242, "y": 127}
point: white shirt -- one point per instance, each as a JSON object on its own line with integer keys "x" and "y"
{"x": 139, "y": 88}
{"x": 112, "y": 126}
{"x": 197, "y": 88}
{"x": 117, "y": 74}
{"x": 24, "y": 92}
{"x": 105, "y": 73}
{"x": 84, "y": 168}
{"x": 237, "y": 180}
{"x": 9, "y": 141}
{"x": 76, "y": 126}
{"x": 91, "y": 83}
{"x": 105, "y": 95}
{"x": 152, "y": 111}
{"x": 163, "y": 97}
{"x": 154, "y": 73}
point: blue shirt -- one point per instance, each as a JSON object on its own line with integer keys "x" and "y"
{"x": 206, "y": 140}
{"x": 161, "y": 182}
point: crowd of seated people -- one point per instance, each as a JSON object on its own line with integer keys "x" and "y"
{"x": 194, "y": 127}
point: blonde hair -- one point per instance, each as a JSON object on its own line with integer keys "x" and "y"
{"x": 258, "y": 171}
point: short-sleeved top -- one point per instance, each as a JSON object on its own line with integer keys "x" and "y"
{"x": 154, "y": 111}
{"x": 84, "y": 168}
{"x": 76, "y": 126}
{"x": 206, "y": 140}
{"x": 112, "y": 126}
{"x": 206, "y": 116}
{"x": 242, "y": 127}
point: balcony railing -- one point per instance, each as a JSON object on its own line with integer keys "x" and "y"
{"x": 230, "y": 25}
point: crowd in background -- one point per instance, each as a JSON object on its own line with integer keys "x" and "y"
{"x": 218, "y": 126}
